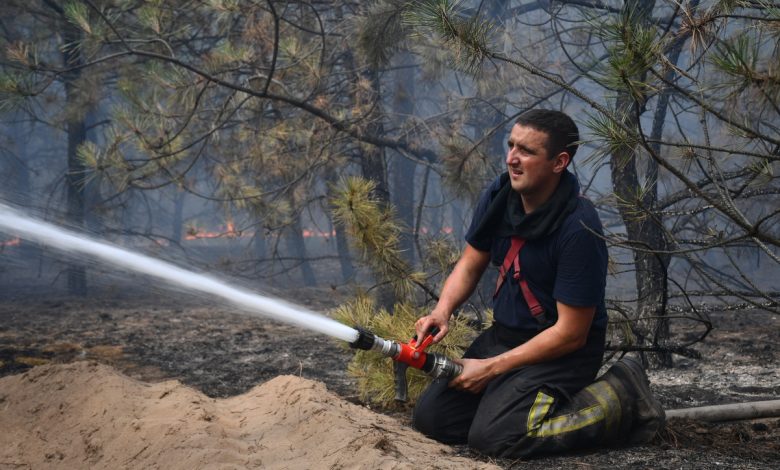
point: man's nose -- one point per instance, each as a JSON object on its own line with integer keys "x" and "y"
{"x": 511, "y": 156}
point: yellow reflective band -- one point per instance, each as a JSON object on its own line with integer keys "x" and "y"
{"x": 608, "y": 400}
{"x": 607, "y": 409}
{"x": 538, "y": 411}
{"x": 569, "y": 422}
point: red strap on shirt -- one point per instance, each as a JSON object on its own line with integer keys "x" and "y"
{"x": 512, "y": 258}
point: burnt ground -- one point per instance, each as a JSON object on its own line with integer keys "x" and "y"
{"x": 154, "y": 335}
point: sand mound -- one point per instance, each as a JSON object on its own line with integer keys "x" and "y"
{"x": 87, "y": 415}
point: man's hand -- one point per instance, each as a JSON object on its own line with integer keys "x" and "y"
{"x": 568, "y": 334}
{"x": 425, "y": 324}
{"x": 457, "y": 288}
{"x": 475, "y": 376}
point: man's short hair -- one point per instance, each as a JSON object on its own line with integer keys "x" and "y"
{"x": 562, "y": 133}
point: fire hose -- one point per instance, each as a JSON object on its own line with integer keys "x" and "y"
{"x": 408, "y": 354}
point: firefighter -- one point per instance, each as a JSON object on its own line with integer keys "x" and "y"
{"x": 527, "y": 385}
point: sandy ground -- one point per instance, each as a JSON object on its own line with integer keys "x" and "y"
{"x": 87, "y": 415}
{"x": 129, "y": 380}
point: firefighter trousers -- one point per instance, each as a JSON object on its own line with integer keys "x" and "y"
{"x": 544, "y": 408}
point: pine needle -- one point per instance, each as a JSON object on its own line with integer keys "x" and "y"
{"x": 78, "y": 14}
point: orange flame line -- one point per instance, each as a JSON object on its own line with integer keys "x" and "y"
{"x": 13, "y": 242}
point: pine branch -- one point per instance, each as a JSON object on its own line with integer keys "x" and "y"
{"x": 376, "y": 235}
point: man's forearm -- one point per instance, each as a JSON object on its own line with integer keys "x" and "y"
{"x": 568, "y": 334}
{"x": 556, "y": 341}
{"x": 545, "y": 346}
{"x": 462, "y": 281}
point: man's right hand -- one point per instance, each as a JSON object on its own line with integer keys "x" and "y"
{"x": 457, "y": 288}
{"x": 428, "y": 322}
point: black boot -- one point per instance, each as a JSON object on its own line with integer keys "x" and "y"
{"x": 648, "y": 416}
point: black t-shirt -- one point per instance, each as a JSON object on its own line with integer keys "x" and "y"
{"x": 569, "y": 266}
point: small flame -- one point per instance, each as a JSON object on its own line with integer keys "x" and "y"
{"x": 230, "y": 231}
{"x": 444, "y": 230}
{"x": 13, "y": 242}
{"x": 227, "y": 231}
{"x": 318, "y": 233}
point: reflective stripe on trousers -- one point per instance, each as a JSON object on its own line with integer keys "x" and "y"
{"x": 606, "y": 408}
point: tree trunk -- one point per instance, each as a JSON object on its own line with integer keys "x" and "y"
{"x": 650, "y": 202}
{"x": 345, "y": 261}
{"x": 403, "y": 168}
{"x": 372, "y": 162}
{"x": 458, "y": 222}
{"x": 16, "y": 186}
{"x": 296, "y": 245}
{"x": 93, "y": 214}
{"x": 260, "y": 248}
{"x": 642, "y": 228}
{"x": 77, "y": 132}
{"x": 403, "y": 200}
{"x": 342, "y": 242}
{"x": 178, "y": 215}
{"x": 373, "y": 167}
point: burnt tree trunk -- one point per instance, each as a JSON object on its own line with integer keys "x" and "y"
{"x": 259, "y": 244}
{"x": 643, "y": 226}
{"x": 342, "y": 242}
{"x": 16, "y": 180}
{"x": 77, "y": 133}
{"x": 458, "y": 222}
{"x": 178, "y": 216}
{"x": 660, "y": 331}
{"x": 403, "y": 168}
{"x": 372, "y": 163}
{"x": 296, "y": 245}
{"x": 345, "y": 260}
{"x": 373, "y": 167}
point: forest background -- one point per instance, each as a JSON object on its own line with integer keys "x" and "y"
{"x": 290, "y": 144}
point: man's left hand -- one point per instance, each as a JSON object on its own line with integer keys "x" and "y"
{"x": 475, "y": 376}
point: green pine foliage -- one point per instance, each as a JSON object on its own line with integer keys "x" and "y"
{"x": 374, "y": 372}
{"x": 78, "y": 14}
{"x": 375, "y": 234}
{"x": 466, "y": 166}
{"x": 467, "y": 37}
{"x": 612, "y": 137}
{"x": 633, "y": 48}
{"x": 381, "y": 31}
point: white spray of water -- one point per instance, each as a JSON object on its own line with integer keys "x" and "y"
{"x": 13, "y": 222}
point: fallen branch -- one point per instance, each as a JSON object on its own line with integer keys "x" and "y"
{"x": 730, "y": 412}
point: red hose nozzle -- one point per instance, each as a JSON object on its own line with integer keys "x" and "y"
{"x": 434, "y": 365}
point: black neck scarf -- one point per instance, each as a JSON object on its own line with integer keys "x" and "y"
{"x": 505, "y": 216}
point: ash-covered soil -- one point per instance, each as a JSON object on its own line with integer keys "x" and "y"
{"x": 211, "y": 347}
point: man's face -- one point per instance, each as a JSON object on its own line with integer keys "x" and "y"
{"x": 530, "y": 169}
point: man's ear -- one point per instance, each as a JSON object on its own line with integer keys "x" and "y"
{"x": 562, "y": 161}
